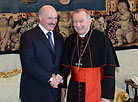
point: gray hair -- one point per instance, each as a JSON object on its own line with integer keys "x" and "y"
{"x": 80, "y": 10}
{"x": 41, "y": 12}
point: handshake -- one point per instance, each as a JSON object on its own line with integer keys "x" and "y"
{"x": 56, "y": 80}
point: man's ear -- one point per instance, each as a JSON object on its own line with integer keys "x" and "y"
{"x": 40, "y": 17}
{"x": 90, "y": 21}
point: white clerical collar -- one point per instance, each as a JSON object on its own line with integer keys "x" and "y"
{"x": 82, "y": 35}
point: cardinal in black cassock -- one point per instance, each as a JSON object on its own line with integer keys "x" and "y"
{"x": 96, "y": 69}
{"x": 92, "y": 61}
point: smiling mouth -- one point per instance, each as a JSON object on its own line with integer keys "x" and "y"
{"x": 52, "y": 24}
{"x": 79, "y": 29}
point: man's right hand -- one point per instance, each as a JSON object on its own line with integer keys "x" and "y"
{"x": 56, "y": 80}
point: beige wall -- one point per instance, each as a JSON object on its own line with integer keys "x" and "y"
{"x": 9, "y": 62}
{"x": 128, "y": 60}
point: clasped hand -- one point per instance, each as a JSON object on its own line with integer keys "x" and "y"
{"x": 57, "y": 79}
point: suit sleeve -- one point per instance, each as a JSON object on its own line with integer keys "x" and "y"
{"x": 65, "y": 63}
{"x": 29, "y": 63}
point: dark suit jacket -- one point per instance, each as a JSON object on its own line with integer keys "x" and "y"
{"x": 38, "y": 63}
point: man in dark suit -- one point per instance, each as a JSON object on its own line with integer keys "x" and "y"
{"x": 40, "y": 60}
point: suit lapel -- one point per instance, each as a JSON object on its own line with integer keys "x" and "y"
{"x": 56, "y": 42}
{"x": 43, "y": 38}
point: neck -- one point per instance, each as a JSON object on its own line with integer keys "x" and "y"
{"x": 83, "y": 35}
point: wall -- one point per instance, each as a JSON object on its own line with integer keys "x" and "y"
{"x": 9, "y": 86}
{"x": 9, "y": 62}
{"x": 128, "y": 67}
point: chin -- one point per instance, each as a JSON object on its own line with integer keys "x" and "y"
{"x": 81, "y": 33}
{"x": 51, "y": 29}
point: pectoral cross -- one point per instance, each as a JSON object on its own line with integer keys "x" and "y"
{"x": 78, "y": 64}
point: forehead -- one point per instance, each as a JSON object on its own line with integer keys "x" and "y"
{"x": 50, "y": 15}
{"x": 81, "y": 14}
{"x": 50, "y": 12}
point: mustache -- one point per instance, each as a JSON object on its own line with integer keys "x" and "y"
{"x": 51, "y": 24}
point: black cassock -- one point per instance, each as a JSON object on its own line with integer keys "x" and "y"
{"x": 95, "y": 77}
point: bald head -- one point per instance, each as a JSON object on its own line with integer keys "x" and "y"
{"x": 46, "y": 9}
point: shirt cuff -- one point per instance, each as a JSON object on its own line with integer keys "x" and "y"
{"x": 51, "y": 79}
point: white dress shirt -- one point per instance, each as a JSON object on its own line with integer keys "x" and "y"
{"x": 46, "y": 31}
{"x": 52, "y": 37}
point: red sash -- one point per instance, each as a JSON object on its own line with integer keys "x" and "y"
{"x": 92, "y": 77}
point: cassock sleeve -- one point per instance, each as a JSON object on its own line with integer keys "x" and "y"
{"x": 111, "y": 61}
{"x": 110, "y": 58}
{"x": 108, "y": 82}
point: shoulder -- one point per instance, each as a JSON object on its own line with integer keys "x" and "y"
{"x": 30, "y": 33}
{"x": 58, "y": 34}
{"x": 71, "y": 37}
{"x": 98, "y": 34}
{"x": 100, "y": 37}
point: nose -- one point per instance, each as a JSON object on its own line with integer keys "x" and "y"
{"x": 54, "y": 21}
{"x": 77, "y": 24}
